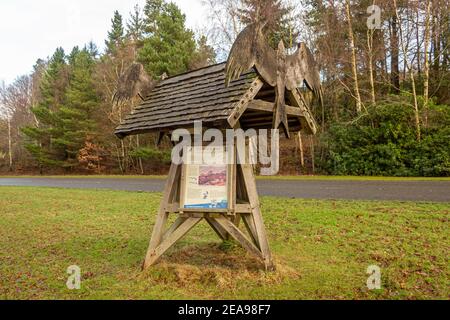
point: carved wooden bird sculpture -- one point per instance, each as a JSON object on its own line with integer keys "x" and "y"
{"x": 134, "y": 82}
{"x": 281, "y": 71}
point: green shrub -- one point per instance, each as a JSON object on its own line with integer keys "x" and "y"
{"x": 152, "y": 155}
{"x": 384, "y": 143}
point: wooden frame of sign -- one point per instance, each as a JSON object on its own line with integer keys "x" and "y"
{"x": 243, "y": 206}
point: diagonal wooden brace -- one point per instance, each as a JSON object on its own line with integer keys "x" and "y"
{"x": 240, "y": 237}
{"x": 154, "y": 255}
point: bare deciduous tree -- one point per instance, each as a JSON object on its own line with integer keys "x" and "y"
{"x": 15, "y": 106}
{"x": 409, "y": 68}
{"x": 354, "y": 62}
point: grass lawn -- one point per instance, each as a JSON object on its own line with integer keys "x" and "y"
{"x": 322, "y": 250}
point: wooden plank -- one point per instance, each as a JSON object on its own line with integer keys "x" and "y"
{"x": 196, "y": 73}
{"x": 199, "y": 74}
{"x": 162, "y": 216}
{"x": 250, "y": 118}
{"x": 293, "y": 125}
{"x": 263, "y": 120}
{"x": 239, "y": 236}
{"x": 175, "y": 110}
{"x": 173, "y": 207}
{"x": 189, "y": 82}
{"x": 183, "y": 187}
{"x": 212, "y": 95}
{"x": 250, "y": 183}
{"x": 262, "y": 105}
{"x": 215, "y": 80}
{"x": 189, "y": 117}
{"x": 196, "y": 89}
{"x": 221, "y": 232}
{"x": 251, "y": 228}
{"x": 198, "y": 210}
{"x": 145, "y": 128}
{"x": 154, "y": 255}
{"x": 194, "y": 214}
{"x": 158, "y": 231}
{"x": 237, "y": 220}
{"x": 192, "y": 74}
{"x": 243, "y": 208}
{"x": 309, "y": 124}
{"x": 231, "y": 189}
{"x": 189, "y": 96}
{"x": 242, "y": 105}
{"x": 174, "y": 227}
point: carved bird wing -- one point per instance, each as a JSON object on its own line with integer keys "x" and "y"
{"x": 251, "y": 50}
{"x": 134, "y": 82}
{"x": 303, "y": 68}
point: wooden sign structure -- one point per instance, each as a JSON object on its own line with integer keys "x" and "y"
{"x": 243, "y": 205}
{"x": 258, "y": 88}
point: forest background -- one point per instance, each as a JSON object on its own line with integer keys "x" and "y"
{"x": 386, "y": 85}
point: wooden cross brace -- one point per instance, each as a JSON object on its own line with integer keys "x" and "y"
{"x": 225, "y": 225}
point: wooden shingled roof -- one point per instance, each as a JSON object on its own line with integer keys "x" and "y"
{"x": 177, "y": 102}
{"x": 201, "y": 95}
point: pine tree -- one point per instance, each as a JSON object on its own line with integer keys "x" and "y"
{"x": 68, "y": 100}
{"x": 204, "y": 55}
{"x": 75, "y": 122}
{"x": 116, "y": 34}
{"x": 152, "y": 13}
{"x": 275, "y": 14}
{"x": 92, "y": 48}
{"x": 73, "y": 55}
{"x": 171, "y": 46}
{"x": 54, "y": 82}
{"x": 136, "y": 26}
{"x": 52, "y": 91}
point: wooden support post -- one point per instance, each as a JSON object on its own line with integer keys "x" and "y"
{"x": 302, "y": 152}
{"x": 161, "y": 219}
{"x": 251, "y": 228}
{"x": 154, "y": 255}
{"x": 222, "y": 233}
{"x": 239, "y": 236}
{"x": 250, "y": 183}
{"x": 174, "y": 227}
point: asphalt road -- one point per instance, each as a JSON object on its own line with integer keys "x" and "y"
{"x": 434, "y": 191}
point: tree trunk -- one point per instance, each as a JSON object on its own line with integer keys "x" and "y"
{"x": 302, "y": 151}
{"x": 395, "y": 71}
{"x": 426, "y": 84}
{"x": 354, "y": 64}
{"x": 313, "y": 155}
{"x": 445, "y": 37}
{"x": 138, "y": 144}
{"x": 411, "y": 74}
{"x": 10, "y": 153}
{"x": 122, "y": 162}
{"x": 371, "y": 73}
{"x": 436, "y": 31}
{"x": 418, "y": 53}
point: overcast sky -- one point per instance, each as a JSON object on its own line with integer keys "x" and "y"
{"x": 31, "y": 29}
